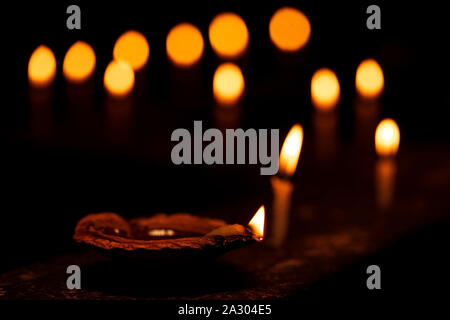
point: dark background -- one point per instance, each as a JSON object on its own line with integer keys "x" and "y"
{"x": 48, "y": 185}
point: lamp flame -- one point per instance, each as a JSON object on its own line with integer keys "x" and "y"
{"x": 257, "y": 222}
{"x": 387, "y": 138}
{"x": 290, "y": 152}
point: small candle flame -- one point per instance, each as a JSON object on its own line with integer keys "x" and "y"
{"x": 257, "y": 222}
{"x": 387, "y": 138}
{"x": 290, "y": 152}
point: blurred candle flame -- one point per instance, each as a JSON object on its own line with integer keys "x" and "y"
{"x": 387, "y": 138}
{"x": 289, "y": 29}
{"x": 41, "y": 67}
{"x": 325, "y": 89}
{"x": 132, "y": 46}
{"x": 228, "y": 83}
{"x": 79, "y": 62}
{"x": 161, "y": 232}
{"x": 290, "y": 151}
{"x": 184, "y": 45}
{"x": 369, "y": 79}
{"x": 228, "y": 35}
{"x": 119, "y": 78}
{"x": 257, "y": 222}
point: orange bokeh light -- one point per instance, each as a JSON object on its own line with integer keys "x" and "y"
{"x": 369, "y": 79}
{"x": 228, "y": 83}
{"x": 132, "y": 46}
{"x": 184, "y": 44}
{"x": 41, "y": 67}
{"x": 289, "y": 29}
{"x": 387, "y": 138}
{"x": 228, "y": 35}
{"x": 119, "y": 78}
{"x": 257, "y": 223}
{"x": 79, "y": 62}
{"x": 325, "y": 89}
{"x": 290, "y": 151}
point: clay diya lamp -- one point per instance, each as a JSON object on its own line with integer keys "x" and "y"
{"x": 166, "y": 238}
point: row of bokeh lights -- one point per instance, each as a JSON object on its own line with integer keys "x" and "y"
{"x": 289, "y": 31}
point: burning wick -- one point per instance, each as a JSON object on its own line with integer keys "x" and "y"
{"x": 282, "y": 187}
{"x": 387, "y": 140}
{"x": 257, "y": 223}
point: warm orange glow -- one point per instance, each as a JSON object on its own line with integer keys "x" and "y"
{"x": 41, "y": 67}
{"x": 387, "y": 138}
{"x": 119, "y": 78}
{"x": 324, "y": 89}
{"x": 369, "y": 79}
{"x": 184, "y": 44}
{"x": 228, "y": 35}
{"x": 290, "y": 152}
{"x": 228, "y": 83}
{"x": 79, "y": 62}
{"x": 257, "y": 222}
{"x": 133, "y": 48}
{"x": 289, "y": 29}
